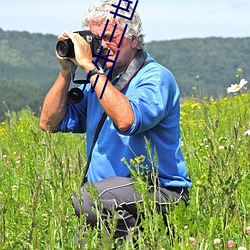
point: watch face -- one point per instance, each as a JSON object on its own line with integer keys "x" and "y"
{"x": 100, "y": 71}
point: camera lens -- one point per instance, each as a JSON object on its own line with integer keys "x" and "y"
{"x": 65, "y": 48}
{"x": 75, "y": 95}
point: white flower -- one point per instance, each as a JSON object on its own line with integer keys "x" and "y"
{"x": 237, "y": 87}
{"x": 192, "y": 240}
{"x": 247, "y": 133}
{"x": 242, "y": 248}
{"x": 217, "y": 241}
{"x": 22, "y": 210}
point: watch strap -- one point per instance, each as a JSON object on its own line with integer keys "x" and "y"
{"x": 95, "y": 71}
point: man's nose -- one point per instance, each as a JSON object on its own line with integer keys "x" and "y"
{"x": 104, "y": 44}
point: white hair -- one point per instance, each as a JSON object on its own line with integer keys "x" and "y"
{"x": 100, "y": 11}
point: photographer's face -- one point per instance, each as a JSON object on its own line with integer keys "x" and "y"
{"x": 127, "y": 49}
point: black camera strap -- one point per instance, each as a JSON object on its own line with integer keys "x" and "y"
{"x": 136, "y": 64}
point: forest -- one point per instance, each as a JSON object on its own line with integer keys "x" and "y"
{"x": 202, "y": 67}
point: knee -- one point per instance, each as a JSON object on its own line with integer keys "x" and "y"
{"x": 77, "y": 206}
{"x": 84, "y": 205}
{"x": 82, "y": 202}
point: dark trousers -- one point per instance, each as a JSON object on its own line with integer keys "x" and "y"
{"x": 119, "y": 194}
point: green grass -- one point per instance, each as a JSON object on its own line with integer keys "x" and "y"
{"x": 40, "y": 172}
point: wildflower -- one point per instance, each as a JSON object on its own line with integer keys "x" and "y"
{"x": 230, "y": 244}
{"x": 240, "y": 70}
{"x": 247, "y": 133}
{"x": 217, "y": 241}
{"x": 195, "y": 106}
{"x": 14, "y": 188}
{"x": 248, "y": 230}
{"x": 237, "y": 87}
{"x": 198, "y": 182}
{"x": 221, "y": 147}
{"x": 138, "y": 160}
{"x": 45, "y": 216}
{"x": 22, "y": 210}
{"x": 132, "y": 162}
{"x": 242, "y": 248}
{"x": 192, "y": 240}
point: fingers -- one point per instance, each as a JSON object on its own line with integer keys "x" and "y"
{"x": 68, "y": 35}
{"x": 83, "y": 54}
{"x": 72, "y": 36}
{"x": 68, "y": 60}
{"x": 62, "y": 36}
{"x": 75, "y": 37}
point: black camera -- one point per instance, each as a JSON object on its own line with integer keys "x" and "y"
{"x": 65, "y": 48}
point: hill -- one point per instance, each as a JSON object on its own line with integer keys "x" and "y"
{"x": 28, "y": 66}
{"x": 210, "y": 64}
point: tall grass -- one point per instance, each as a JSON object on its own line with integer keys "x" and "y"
{"x": 40, "y": 172}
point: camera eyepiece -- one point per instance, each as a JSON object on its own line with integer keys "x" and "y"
{"x": 65, "y": 48}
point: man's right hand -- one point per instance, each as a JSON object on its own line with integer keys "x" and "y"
{"x": 66, "y": 63}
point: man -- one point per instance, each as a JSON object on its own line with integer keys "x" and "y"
{"x": 141, "y": 100}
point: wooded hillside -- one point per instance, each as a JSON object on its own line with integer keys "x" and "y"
{"x": 28, "y": 66}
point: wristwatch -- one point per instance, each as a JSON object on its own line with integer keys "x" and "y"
{"x": 96, "y": 71}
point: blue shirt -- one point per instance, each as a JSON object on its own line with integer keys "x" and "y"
{"x": 154, "y": 97}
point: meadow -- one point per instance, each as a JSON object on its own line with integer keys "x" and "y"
{"x": 40, "y": 172}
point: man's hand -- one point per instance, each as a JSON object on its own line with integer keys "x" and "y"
{"x": 66, "y": 63}
{"x": 83, "y": 54}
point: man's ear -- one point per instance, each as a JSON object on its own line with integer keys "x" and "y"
{"x": 134, "y": 42}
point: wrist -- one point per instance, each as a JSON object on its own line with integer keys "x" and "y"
{"x": 88, "y": 67}
{"x": 65, "y": 73}
{"x": 95, "y": 71}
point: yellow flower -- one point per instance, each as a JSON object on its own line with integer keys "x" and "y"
{"x": 240, "y": 70}
{"x": 195, "y": 105}
{"x": 132, "y": 162}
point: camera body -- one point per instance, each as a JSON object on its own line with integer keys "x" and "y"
{"x": 65, "y": 48}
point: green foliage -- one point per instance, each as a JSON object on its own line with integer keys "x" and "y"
{"x": 28, "y": 68}
{"x": 28, "y": 58}
{"x": 36, "y": 184}
{"x": 14, "y": 95}
{"x": 40, "y": 172}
